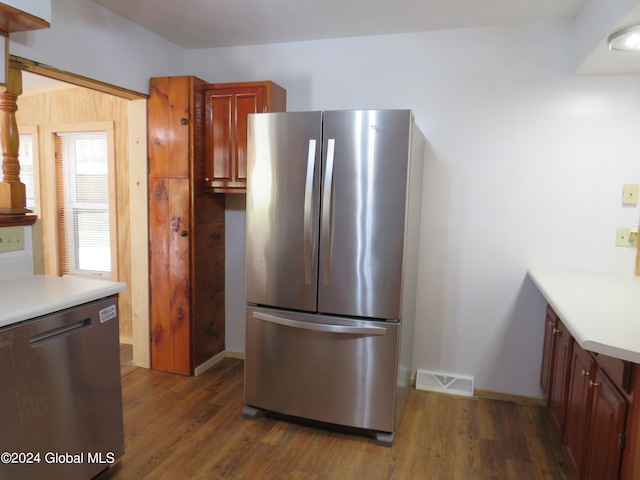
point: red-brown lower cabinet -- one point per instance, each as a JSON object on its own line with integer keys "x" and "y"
{"x": 600, "y": 409}
{"x": 578, "y": 407}
{"x": 560, "y": 377}
{"x": 607, "y": 430}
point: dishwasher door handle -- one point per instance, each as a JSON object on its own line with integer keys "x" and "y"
{"x": 320, "y": 327}
{"x": 60, "y": 332}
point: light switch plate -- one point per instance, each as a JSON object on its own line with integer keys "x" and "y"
{"x": 630, "y": 194}
{"x": 11, "y": 239}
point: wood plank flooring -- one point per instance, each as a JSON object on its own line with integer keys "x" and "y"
{"x": 192, "y": 428}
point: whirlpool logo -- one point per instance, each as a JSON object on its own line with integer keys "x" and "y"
{"x": 378, "y": 128}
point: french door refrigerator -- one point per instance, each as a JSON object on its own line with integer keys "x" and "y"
{"x": 333, "y": 215}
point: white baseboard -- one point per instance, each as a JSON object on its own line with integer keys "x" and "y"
{"x": 203, "y": 367}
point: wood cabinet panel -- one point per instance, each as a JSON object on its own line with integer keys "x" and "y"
{"x": 619, "y": 371}
{"x": 606, "y": 432}
{"x": 563, "y": 349}
{"x": 219, "y": 140}
{"x": 227, "y": 107}
{"x": 548, "y": 354}
{"x": 578, "y": 407}
{"x": 246, "y": 103}
{"x": 169, "y": 306}
{"x": 169, "y": 134}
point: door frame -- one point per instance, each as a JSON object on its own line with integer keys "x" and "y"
{"x": 138, "y": 194}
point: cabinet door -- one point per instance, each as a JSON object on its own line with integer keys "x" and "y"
{"x": 548, "y": 351}
{"x": 563, "y": 348}
{"x": 169, "y": 268}
{"x": 607, "y": 424}
{"x": 578, "y": 402}
{"x": 168, "y": 124}
{"x": 226, "y": 116}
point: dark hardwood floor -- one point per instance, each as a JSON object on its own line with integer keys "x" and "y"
{"x": 192, "y": 428}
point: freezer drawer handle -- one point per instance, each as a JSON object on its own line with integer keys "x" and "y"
{"x": 326, "y": 213}
{"x": 320, "y": 327}
{"x": 59, "y": 332}
{"x": 308, "y": 213}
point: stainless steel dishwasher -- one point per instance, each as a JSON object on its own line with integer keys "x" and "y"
{"x": 60, "y": 394}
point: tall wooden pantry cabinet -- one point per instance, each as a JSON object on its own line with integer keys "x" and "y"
{"x": 186, "y": 231}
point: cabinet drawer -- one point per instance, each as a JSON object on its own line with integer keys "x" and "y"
{"x": 617, "y": 370}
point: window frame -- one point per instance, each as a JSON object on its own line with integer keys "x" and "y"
{"x": 49, "y": 191}
{"x": 69, "y": 197}
{"x": 35, "y": 143}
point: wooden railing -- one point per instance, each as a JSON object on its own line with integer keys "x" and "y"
{"x": 13, "y": 209}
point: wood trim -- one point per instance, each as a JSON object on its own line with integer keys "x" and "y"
{"x": 17, "y": 220}
{"x": 14, "y": 20}
{"x": 51, "y": 233}
{"x": 138, "y": 225}
{"x": 20, "y": 63}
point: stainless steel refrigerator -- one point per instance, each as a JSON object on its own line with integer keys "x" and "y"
{"x": 333, "y": 220}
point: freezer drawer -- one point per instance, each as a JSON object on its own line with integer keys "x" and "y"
{"x": 322, "y": 368}
{"x": 61, "y": 401}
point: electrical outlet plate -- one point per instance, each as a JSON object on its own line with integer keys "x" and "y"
{"x": 11, "y": 239}
{"x": 624, "y": 238}
{"x": 630, "y": 194}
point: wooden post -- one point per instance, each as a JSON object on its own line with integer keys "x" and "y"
{"x": 12, "y": 191}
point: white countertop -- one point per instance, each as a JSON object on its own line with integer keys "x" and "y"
{"x": 600, "y": 310}
{"x": 30, "y": 296}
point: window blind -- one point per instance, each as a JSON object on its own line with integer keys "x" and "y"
{"x": 83, "y": 199}
{"x": 25, "y": 157}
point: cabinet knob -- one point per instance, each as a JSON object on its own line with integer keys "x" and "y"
{"x": 184, "y": 233}
{"x": 555, "y": 330}
{"x": 206, "y": 179}
{"x": 593, "y": 384}
{"x": 584, "y": 373}
{"x": 184, "y": 121}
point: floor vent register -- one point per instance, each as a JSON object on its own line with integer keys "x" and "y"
{"x": 441, "y": 382}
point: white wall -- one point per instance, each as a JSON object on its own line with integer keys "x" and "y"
{"x": 89, "y": 40}
{"x": 525, "y": 169}
{"x": 526, "y": 163}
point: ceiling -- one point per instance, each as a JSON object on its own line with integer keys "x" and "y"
{"x": 222, "y": 23}
{"x": 194, "y": 24}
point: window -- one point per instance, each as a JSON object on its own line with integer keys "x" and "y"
{"x": 83, "y": 200}
{"x": 27, "y": 176}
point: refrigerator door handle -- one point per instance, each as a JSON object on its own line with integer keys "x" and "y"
{"x": 320, "y": 327}
{"x": 326, "y": 213}
{"x": 308, "y": 212}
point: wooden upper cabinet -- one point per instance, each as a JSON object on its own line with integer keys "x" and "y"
{"x": 227, "y": 106}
